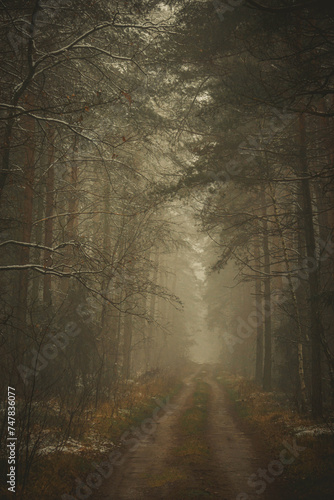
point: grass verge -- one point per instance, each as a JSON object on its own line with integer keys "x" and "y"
{"x": 193, "y": 424}
{"x": 55, "y": 474}
{"x": 275, "y": 421}
{"x": 190, "y": 455}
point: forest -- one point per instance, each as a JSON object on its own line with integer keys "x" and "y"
{"x": 167, "y": 214}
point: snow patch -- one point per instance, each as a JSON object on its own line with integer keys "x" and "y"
{"x": 313, "y": 431}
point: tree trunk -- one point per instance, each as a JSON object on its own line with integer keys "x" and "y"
{"x": 73, "y": 204}
{"x": 27, "y": 214}
{"x": 267, "y": 368}
{"x": 127, "y": 342}
{"x": 300, "y": 336}
{"x": 313, "y": 274}
{"x": 48, "y": 236}
{"x": 259, "y": 328}
{"x": 151, "y": 339}
{"x": 36, "y": 253}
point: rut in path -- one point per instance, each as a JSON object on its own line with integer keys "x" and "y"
{"x": 151, "y": 470}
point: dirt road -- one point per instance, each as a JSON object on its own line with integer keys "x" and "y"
{"x": 159, "y": 462}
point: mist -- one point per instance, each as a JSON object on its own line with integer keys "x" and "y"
{"x": 166, "y": 237}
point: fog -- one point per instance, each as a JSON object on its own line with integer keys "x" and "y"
{"x": 166, "y": 249}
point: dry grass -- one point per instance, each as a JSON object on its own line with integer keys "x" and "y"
{"x": 190, "y": 453}
{"x": 193, "y": 423}
{"x": 169, "y": 475}
{"x": 54, "y": 474}
{"x": 275, "y": 419}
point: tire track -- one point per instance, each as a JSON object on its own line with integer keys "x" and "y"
{"x": 155, "y": 471}
{"x": 236, "y": 459}
{"x": 133, "y": 478}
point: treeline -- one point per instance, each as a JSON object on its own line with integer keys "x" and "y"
{"x": 260, "y": 134}
{"x": 88, "y": 299}
{"x": 108, "y": 114}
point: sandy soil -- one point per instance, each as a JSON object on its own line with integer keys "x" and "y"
{"x": 148, "y": 470}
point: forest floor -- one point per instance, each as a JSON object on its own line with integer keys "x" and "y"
{"x": 209, "y": 443}
{"x": 65, "y": 458}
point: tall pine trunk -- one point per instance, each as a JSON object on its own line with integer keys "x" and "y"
{"x": 313, "y": 273}
{"x": 259, "y": 328}
{"x": 300, "y": 336}
{"x": 48, "y": 235}
{"x": 127, "y": 344}
{"x": 27, "y": 215}
{"x": 151, "y": 339}
{"x": 267, "y": 365}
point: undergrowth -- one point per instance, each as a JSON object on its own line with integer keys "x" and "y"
{"x": 55, "y": 473}
{"x": 275, "y": 420}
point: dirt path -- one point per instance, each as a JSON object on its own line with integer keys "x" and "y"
{"x": 151, "y": 469}
{"x": 235, "y": 458}
{"x": 134, "y": 478}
